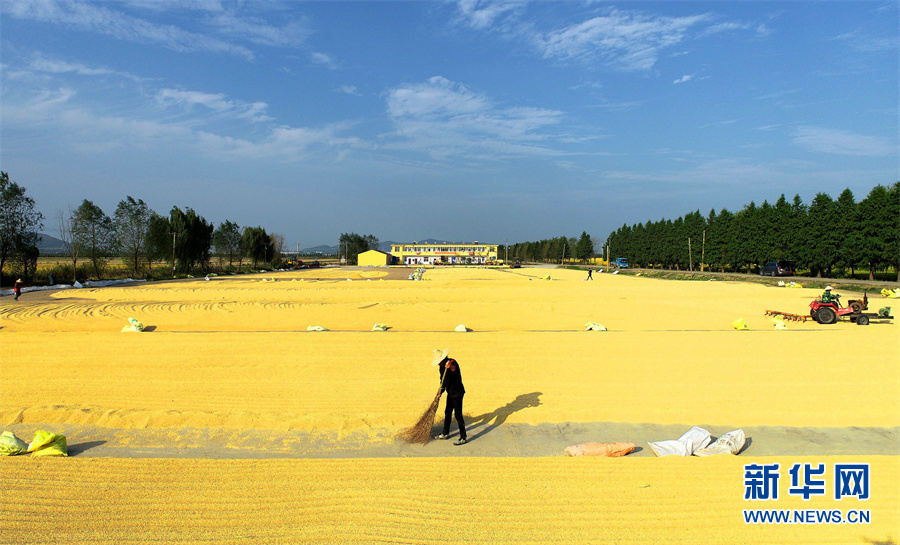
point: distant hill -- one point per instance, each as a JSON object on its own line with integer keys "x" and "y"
{"x": 48, "y": 245}
{"x": 321, "y": 249}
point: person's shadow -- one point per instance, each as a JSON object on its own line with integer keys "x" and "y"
{"x": 497, "y": 417}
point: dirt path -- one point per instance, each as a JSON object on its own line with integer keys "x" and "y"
{"x": 487, "y": 438}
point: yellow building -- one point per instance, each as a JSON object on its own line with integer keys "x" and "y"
{"x": 449, "y": 253}
{"x": 373, "y": 258}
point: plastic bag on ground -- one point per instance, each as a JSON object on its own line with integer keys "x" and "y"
{"x": 380, "y": 327}
{"x": 693, "y": 439}
{"x": 594, "y": 326}
{"x": 133, "y": 326}
{"x": 47, "y": 443}
{"x": 10, "y": 445}
{"x": 315, "y": 328}
{"x": 461, "y": 328}
{"x": 611, "y": 450}
{"x": 730, "y": 443}
{"x": 779, "y": 322}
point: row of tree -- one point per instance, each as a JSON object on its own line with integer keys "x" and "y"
{"x": 134, "y": 232}
{"x": 820, "y": 237}
{"x": 550, "y": 250}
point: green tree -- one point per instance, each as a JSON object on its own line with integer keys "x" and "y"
{"x": 353, "y": 244}
{"x": 159, "y": 238}
{"x": 19, "y": 221}
{"x": 798, "y": 246}
{"x": 227, "y": 239}
{"x": 822, "y": 234}
{"x": 892, "y": 229}
{"x": 849, "y": 233}
{"x": 131, "y": 221}
{"x": 93, "y": 235}
{"x": 879, "y": 215}
{"x": 257, "y": 245}
{"x": 584, "y": 249}
{"x": 193, "y": 238}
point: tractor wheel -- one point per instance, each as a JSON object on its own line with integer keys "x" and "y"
{"x": 825, "y": 315}
{"x": 856, "y": 306}
{"x": 862, "y": 320}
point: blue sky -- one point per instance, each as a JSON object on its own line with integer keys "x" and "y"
{"x": 465, "y": 120}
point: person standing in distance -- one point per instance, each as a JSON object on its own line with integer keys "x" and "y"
{"x": 453, "y": 385}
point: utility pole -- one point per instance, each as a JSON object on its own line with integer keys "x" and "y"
{"x": 690, "y": 256}
{"x": 173, "y": 253}
{"x": 703, "y": 252}
{"x": 507, "y": 252}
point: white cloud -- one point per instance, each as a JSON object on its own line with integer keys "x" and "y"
{"x": 836, "y": 141}
{"x": 63, "y": 67}
{"x": 349, "y": 90}
{"x": 323, "y": 59}
{"x": 214, "y": 101}
{"x": 436, "y": 97}
{"x": 258, "y": 31}
{"x": 445, "y": 119}
{"x": 683, "y": 79}
{"x": 482, "y": 14}
{"x": 867, "y": 43}
{"x": 110, "y": 22}
{"x": 629, "y": 41}
{"x": 626, "y": 40}
{"x": 86, "y": 131}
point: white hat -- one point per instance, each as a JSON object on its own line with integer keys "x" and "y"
{"x": 438, "y": 356}
{"x": 19, "y": 280}
{"x": 828, "y": 288}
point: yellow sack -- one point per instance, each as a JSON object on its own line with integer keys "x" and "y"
{"x": 47, "y": 443}
{"x": 740, "y": 324}
{"x": 893, "y": 294}
{"x": 10, "y": 445}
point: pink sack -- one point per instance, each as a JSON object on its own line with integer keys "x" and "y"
{"x": 611, "y": 450}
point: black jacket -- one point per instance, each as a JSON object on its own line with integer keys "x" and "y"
{"x": 453, "y": 383}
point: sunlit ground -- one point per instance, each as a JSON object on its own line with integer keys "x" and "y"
{"x": 233, "y": 356}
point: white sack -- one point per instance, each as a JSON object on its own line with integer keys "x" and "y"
{"x": 730, "y": 443}
{"x": 693, "y": 439}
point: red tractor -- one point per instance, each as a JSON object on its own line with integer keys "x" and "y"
{"x": 828, "y": 313}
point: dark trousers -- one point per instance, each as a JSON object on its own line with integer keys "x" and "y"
{"x": 454, "y": 405}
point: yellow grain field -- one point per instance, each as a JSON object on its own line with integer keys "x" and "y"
{"x": 227, "y": 421}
